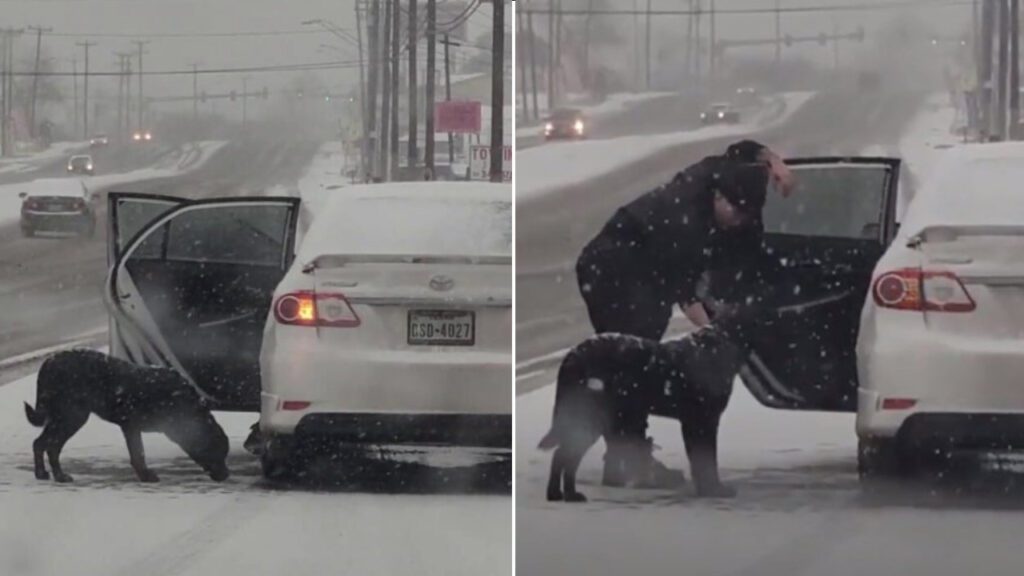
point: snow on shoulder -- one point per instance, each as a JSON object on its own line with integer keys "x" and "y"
{"x": 413, "y": 218}
{"x": 973, "y": 184}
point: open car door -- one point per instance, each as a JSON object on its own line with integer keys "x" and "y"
{"x": 821, "y": 247}
{"x": 191, "y": 288}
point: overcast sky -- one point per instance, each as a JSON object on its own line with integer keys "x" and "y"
{"x": 94, "y": 18}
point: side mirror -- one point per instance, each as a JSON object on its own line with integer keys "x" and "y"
{"x": 23, "y": 195}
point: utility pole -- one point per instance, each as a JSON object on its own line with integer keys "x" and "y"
{"x": 245, "y": 102}
{"x": 985, "y": 65}
{"x": 1014, "y": 25}
{"x": 140, "y": 44}
{"x": 551, "y": 56}
{"x": 448, "y": 93}
{"x": 647, "y": 53}
{"x": 413, "y": 86}
{"x": 373, "y": 46}
{"x": 122, "y": 98}
{"x": 498, "y": 93}
{"x": 521, "y": 64}
{"x": 6, "y": 140}
{"x": 363, "y": 99}
{"x": 385, "y": 105}
{"x": 430, "y": 83}
{"x": 195, "y": 95}
{"x": 74, "y": 78}
{"x": 713, "y": 53}
{"x": 35, "y": 78}
{"x": 532, "y": 47}
{"x": 396, "y": 76}
{"x": 128, "y": 97}
{"x": 1004, "y": 53}
{"x": 85, "y": 90}
{"x": 778, "y": 33}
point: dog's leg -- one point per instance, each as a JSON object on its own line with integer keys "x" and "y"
{"x": 574, "y": 452}
{"x": 138, "y": 455}
{"x": 700, "y": 434}
{"x": 555, "y": 477}
{"x": 64, "y": 428}
{"x": 38, "y": 448}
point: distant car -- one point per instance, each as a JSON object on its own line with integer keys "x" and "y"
{"x": 720, "y": 113}
{"x": 81, "y": 164}
{"x": 393, "y": 325}
{"x": 142, "y": 136}
{"x": 747, "y": 96}
{"x": 567, "y": 124}
{"x": 99, "y": 140}
{"x": 939, "y": 356}
{"x": 59, "y": 205}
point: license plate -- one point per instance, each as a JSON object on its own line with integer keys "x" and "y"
{"x": 441, "y": 328}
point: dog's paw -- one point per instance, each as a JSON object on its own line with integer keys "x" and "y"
{"x": 555, "y": 496}
{"x": 63, "y": 478}
{"x": 42, "y": 475}
{"x": 716, "y": 491}
{"x": 575, "y": 497}
{"x": 149, "y": 477}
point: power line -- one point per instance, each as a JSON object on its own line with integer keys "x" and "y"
{"x": 312, "y": 66}
{"x": 865, "y": 6}
{"x": 186, "y": 35}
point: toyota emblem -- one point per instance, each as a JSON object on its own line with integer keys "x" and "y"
{"x": 441, "y": 283}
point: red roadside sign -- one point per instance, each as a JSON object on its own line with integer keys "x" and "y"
{"x": 458, "y": 116}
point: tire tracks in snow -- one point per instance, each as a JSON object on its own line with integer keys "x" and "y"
{"x": 180, "y": 553}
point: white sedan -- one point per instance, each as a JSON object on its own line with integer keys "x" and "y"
{"x": 941, "y": 344}
{"x": 394, "y": 323}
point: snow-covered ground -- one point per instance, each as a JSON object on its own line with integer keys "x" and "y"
{"x": 190, "y": 158}
{"x": 543, "y": 169}
{"x": 614, "y": 104}
{"x": 29, "y": 162}
{"x": 106, "y": 523}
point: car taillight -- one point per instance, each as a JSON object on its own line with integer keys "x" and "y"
{"x": 307, "y": 308}
{"x": 922, "y": 290}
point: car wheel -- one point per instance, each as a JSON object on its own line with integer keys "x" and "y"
{"x": 880, "y": 462}
{"x": 277, "y": 458}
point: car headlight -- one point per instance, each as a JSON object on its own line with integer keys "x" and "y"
{"x": 721, "y": 114}
{"x": 579, "y": 126}
{"x": 549, "y": 127}
{"x": 70, "y": 167}
{"x": 88, "y": 166}
{"x": 149, "y": 136}
{"x": 703, "y": 115}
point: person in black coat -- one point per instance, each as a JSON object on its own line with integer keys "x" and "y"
{"x": 653, "y": 251}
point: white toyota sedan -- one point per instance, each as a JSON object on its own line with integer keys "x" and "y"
{"x": 394, "y": 323}
{"x": 941, "y": 345}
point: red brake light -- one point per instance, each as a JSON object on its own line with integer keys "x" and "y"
{"x": 294, "y": 405}
{"x": 898, "y": 403}
{"x": 922, "y": 290}
{"x": 307, "y": 308}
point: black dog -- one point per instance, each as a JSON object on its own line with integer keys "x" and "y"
{"x": 612, "y": 381}
{"x": 75, "y": 383}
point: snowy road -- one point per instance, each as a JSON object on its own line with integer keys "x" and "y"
{"x": 800, "y": 510}
{"x": 50, "y": 288}
{"x": 107, "y": 524}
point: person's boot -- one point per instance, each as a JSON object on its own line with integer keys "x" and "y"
{"x": 254, "y": 443}
{"x": 614, "y": 469}
{"x": 651, "y": 474}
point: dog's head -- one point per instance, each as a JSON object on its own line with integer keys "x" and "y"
{"x": 191, "y": 425}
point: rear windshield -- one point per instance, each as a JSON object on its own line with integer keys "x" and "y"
{"x": 830, "y": 201}
{"x": 405, "y": 226}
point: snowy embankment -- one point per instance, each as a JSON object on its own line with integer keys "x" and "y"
{"x": 614, "y": 104}
{"x": 186, "y": 159}
{"x": 107, "y": 523}
{"x": 31, "y": 161}
{"x": 544, "y": 169}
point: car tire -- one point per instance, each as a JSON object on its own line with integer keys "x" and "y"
{"x": 277, "y": 460}
{"x": 881, "y": 462}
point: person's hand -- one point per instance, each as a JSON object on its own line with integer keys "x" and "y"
{"x": 780, "y": 173}
{"x": 696, "y": 314}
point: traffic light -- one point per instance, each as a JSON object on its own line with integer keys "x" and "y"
{"x": 233, "y": 95}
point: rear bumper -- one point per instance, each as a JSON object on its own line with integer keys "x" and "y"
{"x": 937, "y": 432}
{"x": 469, "y": 430}
{"x": 56, "y": 221}
{"x": 967, "y": 389}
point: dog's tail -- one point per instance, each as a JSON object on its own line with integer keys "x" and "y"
{"x": 35, "y": 417}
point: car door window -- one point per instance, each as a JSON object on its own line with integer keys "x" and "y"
{"x": 243, "y": 235}
{"x": 833, "y": 202}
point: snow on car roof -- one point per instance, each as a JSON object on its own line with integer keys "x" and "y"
{"x": 975, "y": 184}
{"x": 413, "y": 218}
{"x": 55, "y": 187}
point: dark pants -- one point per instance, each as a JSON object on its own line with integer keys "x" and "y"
{"x": 622, "y": 297}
